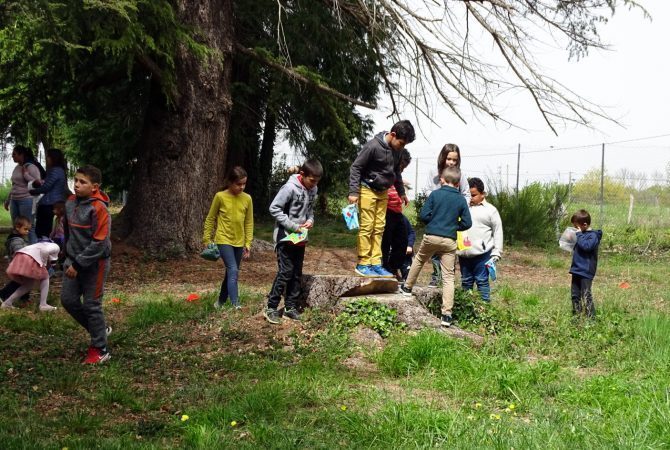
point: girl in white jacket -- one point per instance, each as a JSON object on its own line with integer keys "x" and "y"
{"x": 29, "y": 269}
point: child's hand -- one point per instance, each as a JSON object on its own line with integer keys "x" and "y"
{"x": 405, "y": 200}
{"x": 71, "y": 272}
{"x": 409, "y": 250}
{"x": 246, "y": 253}
{"x": 352, "y": 199}
{"x": 307, "y": 225}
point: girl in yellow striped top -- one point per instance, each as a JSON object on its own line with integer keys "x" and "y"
{"x": 231, "y": 220}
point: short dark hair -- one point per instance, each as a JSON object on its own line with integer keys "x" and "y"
{"x": 404, "y": 130}
{"x": 21, "y": 220}
{"x": 581, "y": 216}
{"x": 451, "y": 175}
{"x": 92, "y": 173}
{"x": 405, "y": 157}
{"x": 59, "y": 205}
{"x": 312, "y": 168}
{"x": 477, "y": 183}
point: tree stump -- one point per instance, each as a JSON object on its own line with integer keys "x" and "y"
{"x": 333, "y": 292}
{"x": 324, "y": 291}
{"x": 414, "y": 314}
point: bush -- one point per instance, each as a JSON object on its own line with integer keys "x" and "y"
{"x": 533, "y": 215}
{"x": 4, "y": 190}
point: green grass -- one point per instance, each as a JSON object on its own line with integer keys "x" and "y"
{"x": 539, "y": 380}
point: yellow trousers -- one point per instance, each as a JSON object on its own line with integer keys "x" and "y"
{"x": 371, "y": 220}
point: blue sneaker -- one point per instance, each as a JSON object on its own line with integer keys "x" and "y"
{"x": 381, "y": 272}
{"x": 365, "y": 271}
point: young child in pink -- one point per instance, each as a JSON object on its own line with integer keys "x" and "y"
{"x": 29, "y": 269}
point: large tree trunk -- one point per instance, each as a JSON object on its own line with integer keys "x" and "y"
{"x": 183, "y": 146}
{"x": 267, "y": 155}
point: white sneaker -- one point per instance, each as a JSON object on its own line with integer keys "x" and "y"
{"x": 7, "y": 306}
{"x": 47, "y": 308}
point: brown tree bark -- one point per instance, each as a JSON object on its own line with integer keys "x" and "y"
{"x": 183, "y": 146}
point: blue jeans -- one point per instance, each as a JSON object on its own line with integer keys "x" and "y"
{"x": 232, "y": 258}
{"x": 473, "y": 270}
{"x": 24, "y": 207}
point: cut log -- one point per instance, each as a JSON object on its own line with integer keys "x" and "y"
{"x": 414, "y": 314}
{"x": 333, "y": 292}
{"x": 429, "y": 297}
{"x": 324, "y": 291}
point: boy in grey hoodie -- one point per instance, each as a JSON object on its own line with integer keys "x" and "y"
{"x": 88, "y": 250}
{"x": 375, "y": 170}
{"x": 293, "y": 211}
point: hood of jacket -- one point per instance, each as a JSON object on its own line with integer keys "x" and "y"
{"x": 97, "y": 195}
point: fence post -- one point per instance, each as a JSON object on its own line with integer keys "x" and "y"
{"x": 602, "y": 185}
{"x": 518, "y": 164}
{"x": 630, "y": 208}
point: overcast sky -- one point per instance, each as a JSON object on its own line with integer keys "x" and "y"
{"x": 630, "y": 81}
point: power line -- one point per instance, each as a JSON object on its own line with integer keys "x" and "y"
{"x": 576, "y": 147}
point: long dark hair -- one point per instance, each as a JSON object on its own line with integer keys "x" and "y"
{"x": 234, "y": 174}
{"x": 442, "y": 157}
{"x": 28, "y": 157}
{"x": 57, "y": 158}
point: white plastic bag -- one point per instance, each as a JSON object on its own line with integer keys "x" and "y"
{"x": 350, "y": 213}
{"x": 568, "y": 239}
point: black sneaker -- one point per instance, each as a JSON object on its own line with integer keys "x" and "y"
{"x": 292, "y": 314}
{"x": 446, "y": 320}
{"x": 404, "y": 290}
{"x": 272, "y": 315}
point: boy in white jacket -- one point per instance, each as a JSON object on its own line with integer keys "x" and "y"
{"x": 486, "y": 237}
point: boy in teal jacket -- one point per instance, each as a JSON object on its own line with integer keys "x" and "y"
{"x": 445, "y": 213}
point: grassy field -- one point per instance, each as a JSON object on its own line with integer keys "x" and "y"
{"x": 186, "y": 375}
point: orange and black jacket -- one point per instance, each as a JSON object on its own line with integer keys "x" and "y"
{"x": 87, "y": 229}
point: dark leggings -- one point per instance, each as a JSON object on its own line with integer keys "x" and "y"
{"x": 44, "y": 220}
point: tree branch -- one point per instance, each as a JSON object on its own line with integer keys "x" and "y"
{"x": 291, "y": 73}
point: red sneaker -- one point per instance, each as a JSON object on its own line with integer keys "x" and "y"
{"x": 96, "y": 356}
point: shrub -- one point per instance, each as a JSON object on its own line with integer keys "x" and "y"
{"x": 533, "y": 215}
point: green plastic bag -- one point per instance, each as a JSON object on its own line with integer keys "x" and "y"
{"x": 211, "y": 253}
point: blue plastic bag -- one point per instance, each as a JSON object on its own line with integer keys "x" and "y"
{"x": 491, "y": 267}
{"x": 350, "y": 213}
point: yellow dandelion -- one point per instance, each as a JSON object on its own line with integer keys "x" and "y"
{"x": 184, "y": 418}
{"x": 494, "y": 416}
{"x": 233, "y": 423}
{"x": 343, "y": 408}
{"x": 478, "y": 405}
{"x": 512, "y": 406}
{"x": 471, "y": 417}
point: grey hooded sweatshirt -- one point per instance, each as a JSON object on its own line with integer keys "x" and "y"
{"x": 292, "y": 206}
{"x": 377, "y": 166}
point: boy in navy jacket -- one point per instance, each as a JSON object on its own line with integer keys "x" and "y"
{"x": 584, "y": 263}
